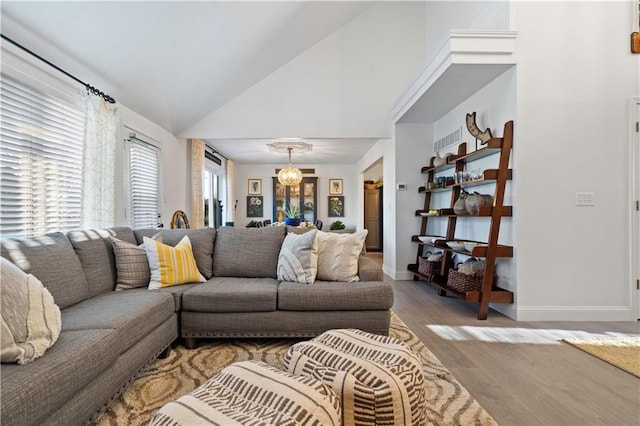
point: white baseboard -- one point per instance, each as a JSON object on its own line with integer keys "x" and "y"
{"x": 402, "y": 275}
{"x": 575, "y": 313}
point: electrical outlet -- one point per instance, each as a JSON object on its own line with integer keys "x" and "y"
{"x": 585, "y": 198}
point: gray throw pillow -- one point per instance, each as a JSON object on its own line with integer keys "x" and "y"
{"x": 132, "y": 265}
{"x": 298, "y": 259}
{"x": 31, "y": 321}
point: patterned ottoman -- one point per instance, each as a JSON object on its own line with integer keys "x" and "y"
{"x": 378, "y": 379}
{"x": 254, "y": 393}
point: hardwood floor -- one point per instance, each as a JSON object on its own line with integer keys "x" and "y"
{"x": 521, "y": 372}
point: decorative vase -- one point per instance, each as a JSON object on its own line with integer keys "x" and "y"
{"x": 438, "y": 161}
{"x": 473, "y": 202}
{"x": 292, "y": 221}
{"x": 459, "y": 206}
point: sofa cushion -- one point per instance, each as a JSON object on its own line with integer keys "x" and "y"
{"x": 133, "y": 314}
{"x": 335, "y": 296}
{"x": 248, "y": 252}
{"x": 30, "y": 392}
{"x": 229, "y": 294}
{"x": 51, "y": 258}
{"x": 171, "y": 266}
{"x": 132, "y": 265}
{"x": 176, "y": 292}
{"x": 298, "y": 259}
{"x": 30, "y": 318}
{"x": 94, "y": 250}
{"x": 338, "y": 255}
{"x": 202, "y": 241}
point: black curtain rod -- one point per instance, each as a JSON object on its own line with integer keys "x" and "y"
{"x": 215, "y": 151}
{"x": 88, "y": 87}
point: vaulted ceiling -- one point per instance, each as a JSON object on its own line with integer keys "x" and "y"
{"x": 176, "y": 63}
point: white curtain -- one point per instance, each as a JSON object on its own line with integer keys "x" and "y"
{"x": 231, "y": 192}
{"x": 101, "y": 125}
{"x": 197, "y": 168}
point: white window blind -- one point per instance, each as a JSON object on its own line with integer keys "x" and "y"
{"x": 144, "y": 184}
{"x": 41, "y": 141}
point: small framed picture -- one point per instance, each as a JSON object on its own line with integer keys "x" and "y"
{"x": 336, "y": 206}
{"x": 335, "y": 186}
{"x": 255, "y": 187}
{"x": 255, "y": 206}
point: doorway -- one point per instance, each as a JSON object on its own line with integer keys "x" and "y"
{"x": 212, "y": 197}
{"x": 373, "y": 211}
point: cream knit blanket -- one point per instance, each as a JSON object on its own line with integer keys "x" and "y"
{"x": 31, "y": 321}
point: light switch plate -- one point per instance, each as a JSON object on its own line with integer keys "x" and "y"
{"x": 585, "y": 198}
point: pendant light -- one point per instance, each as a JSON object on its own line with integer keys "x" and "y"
{"x": 290, "y": 176}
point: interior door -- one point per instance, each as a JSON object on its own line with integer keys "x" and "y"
{"x": 373, "y": 219}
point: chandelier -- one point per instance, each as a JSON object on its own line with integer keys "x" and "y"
{"x": 290, "y": 176}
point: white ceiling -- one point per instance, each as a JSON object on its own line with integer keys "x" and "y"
{"x": 324, "y": 151}
{"x": 176, "y": 62}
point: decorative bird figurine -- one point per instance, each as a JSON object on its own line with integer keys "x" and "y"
{"x": 484, "y": 136}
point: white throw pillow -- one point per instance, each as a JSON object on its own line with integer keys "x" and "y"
{"x": 338, "y": 255}
{"x": 31, "y": 320}
{"x": 298, "y": 259}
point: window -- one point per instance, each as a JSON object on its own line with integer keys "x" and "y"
{"x": 212, "y": 202}
{"x": 41, "y": 144}
{"x": 144, "y": 184}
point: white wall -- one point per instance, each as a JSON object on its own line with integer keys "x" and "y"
{"x": 575, "y": 79}
{"x": 572, "y": 133}
{"x": 384, "y": 149}
{"x": 374, "y": 172}
{"x": 413, "y": 144}
{"x": 443, "y": 16}
{"x": 342, "y": 87}
{"x": 324, "y": 172}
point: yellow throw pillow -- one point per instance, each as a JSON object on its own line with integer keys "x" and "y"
{"x": 171, "y": 266}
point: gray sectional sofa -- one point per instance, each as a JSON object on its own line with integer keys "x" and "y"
{"x": 109, "y": 336}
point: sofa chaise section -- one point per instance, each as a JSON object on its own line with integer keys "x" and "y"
{"x": 107, "y": 337}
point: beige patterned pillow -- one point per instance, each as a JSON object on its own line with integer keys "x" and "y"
{"x": 298, "y": 259}
{"x": 132, "y": 265}
{"x": 338, "y": 255}
{"x": 31, "y": 320}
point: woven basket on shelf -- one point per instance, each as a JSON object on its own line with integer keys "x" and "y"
{"x": 464, "y": 282}
{"x": 428, "y": 267}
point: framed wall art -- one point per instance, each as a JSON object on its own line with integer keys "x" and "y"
{"x": 255, "y": 207}
{"x": 335, "y": 186}
{"x": 336, "y": 206}
{"x": 255, "y": 187}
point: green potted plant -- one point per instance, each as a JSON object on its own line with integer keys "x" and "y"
{"x": 292, "y": 216}
{"x": 337, "y": 225}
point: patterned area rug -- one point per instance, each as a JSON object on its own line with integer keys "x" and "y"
{"x": 183, "y": 370}
{"x": 622, "y": 352}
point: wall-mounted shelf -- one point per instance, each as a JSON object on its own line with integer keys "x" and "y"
{"x": 490, "y": 250}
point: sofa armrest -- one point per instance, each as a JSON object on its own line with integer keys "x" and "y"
{"x": 369, "y": 270}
